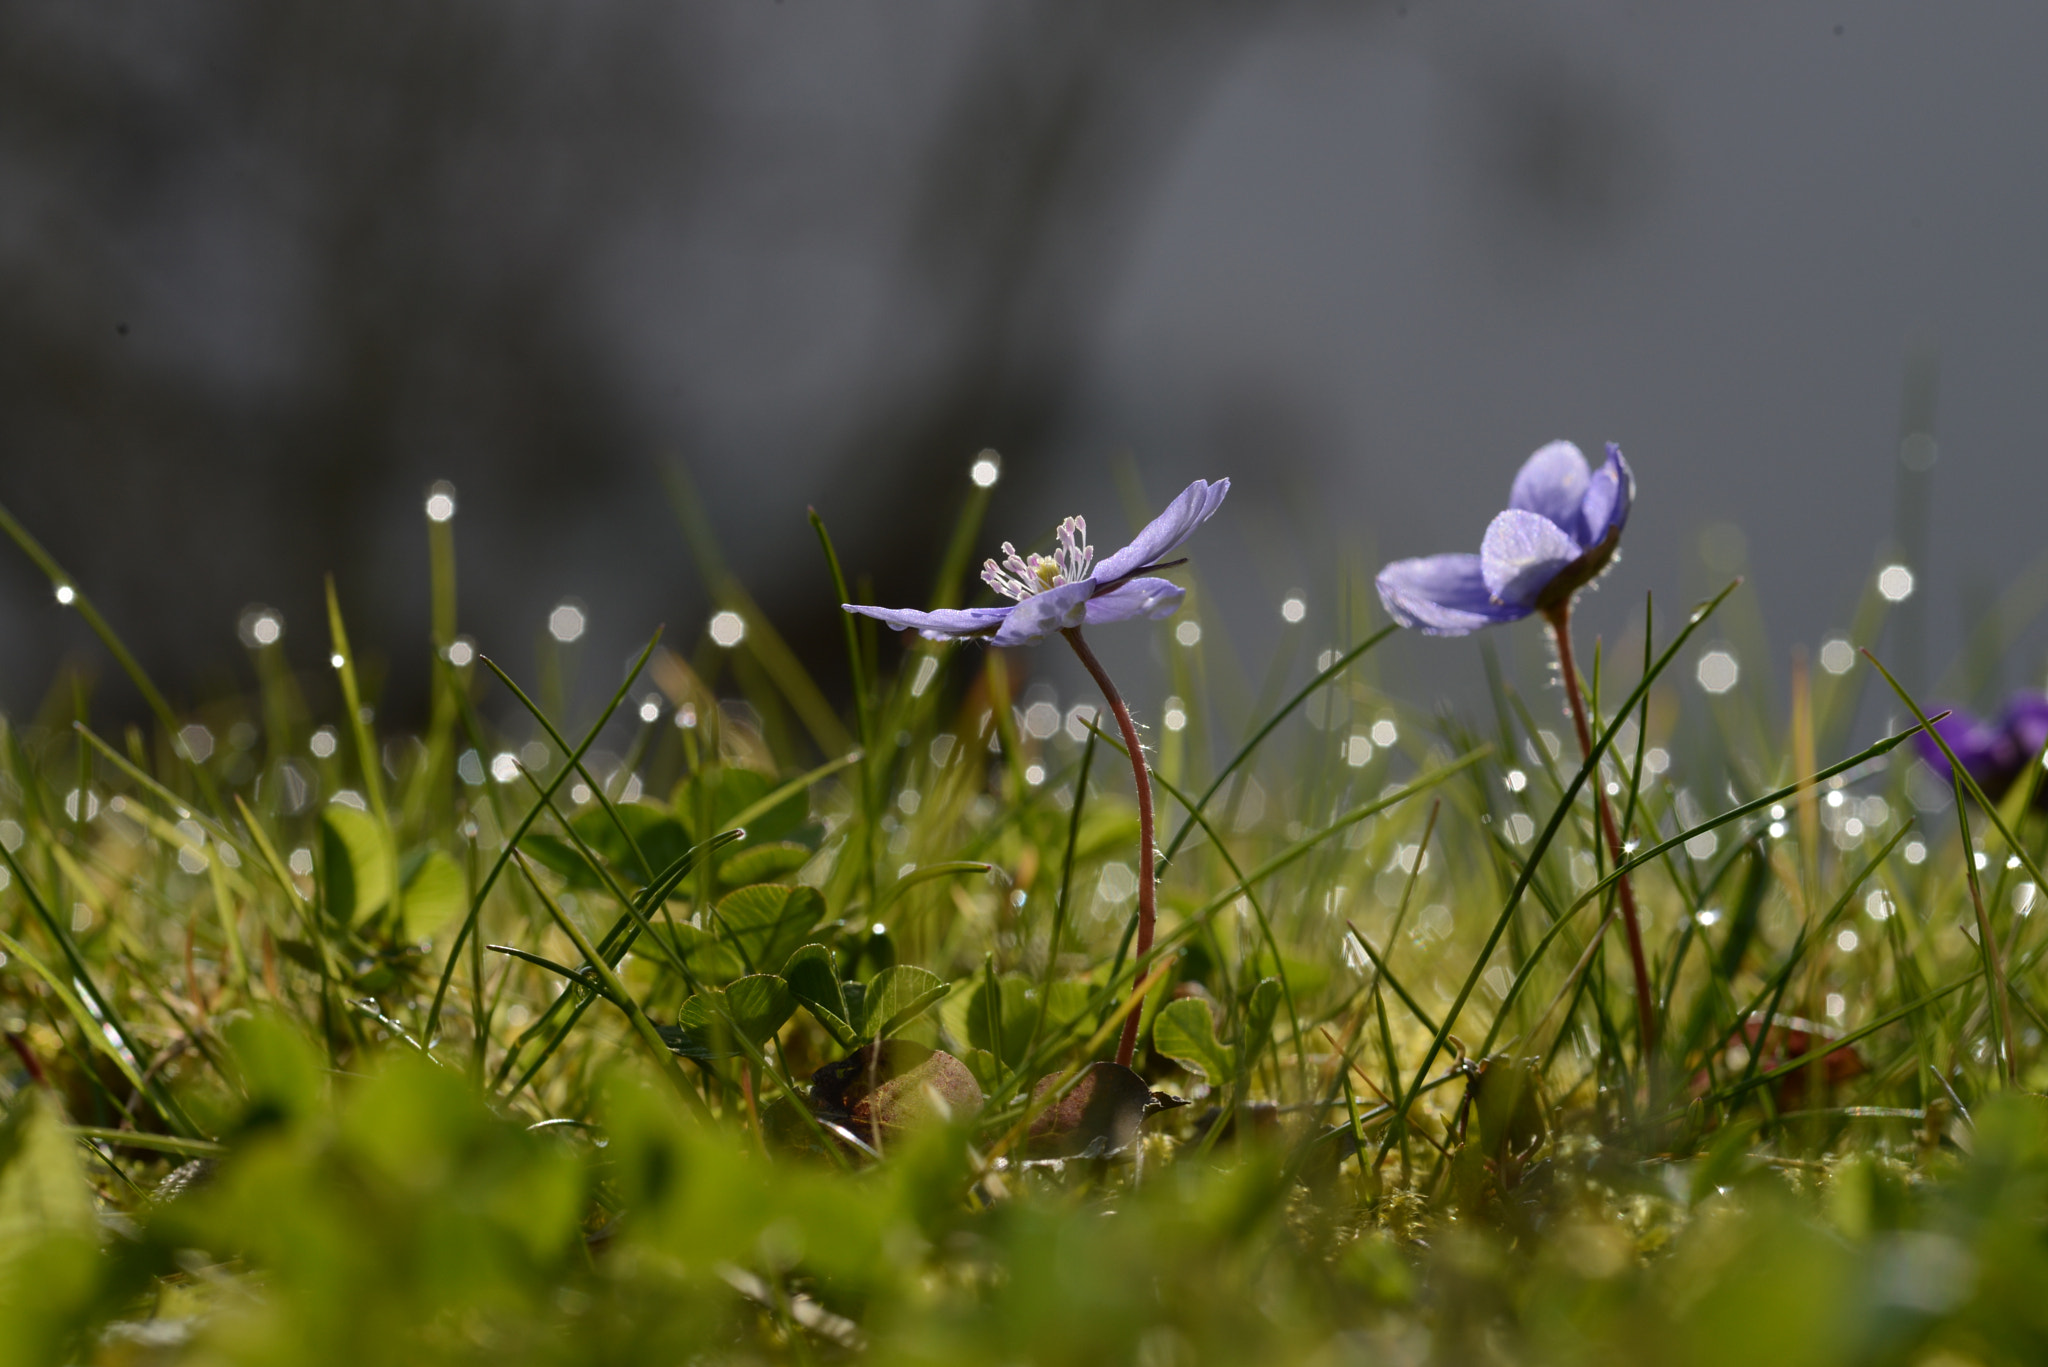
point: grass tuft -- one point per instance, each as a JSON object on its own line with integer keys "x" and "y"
{"x": 303, "y": 1063}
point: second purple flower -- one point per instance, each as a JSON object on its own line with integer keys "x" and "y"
{"x": 1561, "y": 528}
{"x": 1994, "y": 753}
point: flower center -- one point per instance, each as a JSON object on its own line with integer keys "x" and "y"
{"x": 1021, "y": 577}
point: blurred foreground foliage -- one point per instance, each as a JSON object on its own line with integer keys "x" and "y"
{"x": 396, "y": 1217}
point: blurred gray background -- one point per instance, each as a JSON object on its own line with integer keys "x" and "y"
{"x": 270, "y": 267}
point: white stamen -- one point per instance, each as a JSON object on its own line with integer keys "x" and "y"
{"x": 1020, "y": 578}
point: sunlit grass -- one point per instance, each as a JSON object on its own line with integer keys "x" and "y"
{"x": 496, "y": 1039}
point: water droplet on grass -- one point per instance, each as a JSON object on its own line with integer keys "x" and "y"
{"x": 440, "y": 501}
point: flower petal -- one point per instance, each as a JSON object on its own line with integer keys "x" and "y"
{"x": 1154, "y": 598}
{"x": 1988, "y": 754}
{"x": 1040, "y": 615}
{"x": 1521, "y": 553}
{"x": 1442, "y": 595}
{"x": 1552, "y": 483}
{"x": 947, "y": 624}
{"x": 2026, "y": 721}
{"x": 1197, "y": 504}
{"x": 1604, "y": 510}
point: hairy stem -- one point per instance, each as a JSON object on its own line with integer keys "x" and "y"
{"x": 1127, "y": 1045}
{"x": 1560, "y": 619}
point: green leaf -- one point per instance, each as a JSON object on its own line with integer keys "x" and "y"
{"x": 435, "y": 894}
{"x": 355, "y": 864}
{"x": 1018, "y": 1014}
{"x": 1260, "y": 1011}
{"x": 43, "y": 1189}
{"x": 756, "y": 1006}
{"x": 1186, "y": 1033}
{"x": 661, "y": 838}
{"x": 732, "y": 790}
{"x": 814, "y": 980}
{"x": 300, "y": 953}
{"x": 766, "y": 922}
{"x": 559, "y": 856}
{"x": 987, "y": 1069}
{"x": 708, "y": 960}
{"x": 763, "y": 863}
{"x": 760, "y": 1004}
{"x": 277, "y": 1068}
{"x": 897, "y": 996}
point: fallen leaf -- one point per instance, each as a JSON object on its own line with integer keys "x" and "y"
{"x": 1100, "y": 1114}
{"x": 892, "y": 1086}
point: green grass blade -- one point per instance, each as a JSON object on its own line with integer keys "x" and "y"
{"x": 1750, "y": 808}
{"x": 575, "y": 761}
{"x": 1549, "y": 833}
{"x": 615, "y": 990}
{"x": 476, "y": 906}
{"x": 83, "y": 605}
{"x": 1251, "y": 745}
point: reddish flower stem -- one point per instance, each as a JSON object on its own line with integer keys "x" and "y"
{"x": 1560, "y": 619}
{"x": 1127, "y": 1045}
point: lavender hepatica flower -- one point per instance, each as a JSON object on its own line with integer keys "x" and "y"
{"x": 1560, "y": 530}
{"x": 1561, "y": 527}
{"x": 1069, "y": 588}
{"x": 1994, "y": 753}
{"x": 1064, "y": 592}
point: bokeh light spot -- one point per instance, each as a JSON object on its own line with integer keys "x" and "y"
{"x": 1718, "y": 671}
{"x": 260, "y": 626}
{"x": 727, "y": 628}
{"x": 567, "y": 622}
{"x": 440, "y": 501}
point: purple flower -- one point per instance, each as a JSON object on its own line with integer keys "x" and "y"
{"x": 1560, "y": 530}
{"x": 1996, "y": 753}
{"x": 1068, "y": 588}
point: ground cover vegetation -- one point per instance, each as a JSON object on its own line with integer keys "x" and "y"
{"x": 722, "y": 1024}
